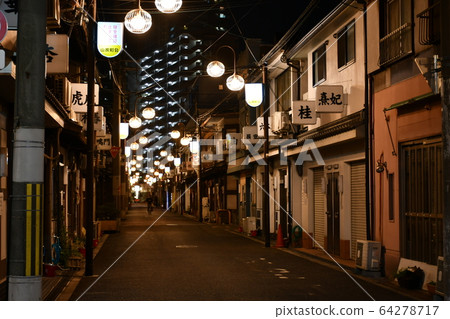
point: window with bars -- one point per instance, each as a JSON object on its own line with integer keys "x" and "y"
{"x": 395, "y": 30}
{"x": 421, "y": 203}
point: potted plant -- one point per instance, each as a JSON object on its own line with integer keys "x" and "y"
{"x": 410, "y": 277}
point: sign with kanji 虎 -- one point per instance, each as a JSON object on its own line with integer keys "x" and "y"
{"x": 103, "y": 142}
{"x": 80, "y": 97}
{"x": 330, "y": 99}
{"x": 98, "y": 118}
{"x": 109, "y": 38}
{"x": 304, "y": 112}
{"x": 260, "y": 126}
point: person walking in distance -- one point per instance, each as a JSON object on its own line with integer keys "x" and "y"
{"x": 149, "y": 204}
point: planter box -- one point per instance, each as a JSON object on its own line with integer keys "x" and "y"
{"x": 109, "y": 225}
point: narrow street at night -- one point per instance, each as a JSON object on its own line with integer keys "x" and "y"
{"x": 181, "y": 259}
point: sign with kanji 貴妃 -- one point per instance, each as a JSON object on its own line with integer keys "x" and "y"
{"x": 330, "y": 99}
{"x": 304, "y": 112}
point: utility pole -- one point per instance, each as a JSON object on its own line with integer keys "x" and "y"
{"x": 445, "y": 96}
{"x": 266, "y": 190}
{"x": 116, "y": 143}
{"x": 25, "y": 250}
{"x": 90, "y": 178}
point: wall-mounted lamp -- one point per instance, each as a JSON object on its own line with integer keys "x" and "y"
{"x": 380, "y": 166}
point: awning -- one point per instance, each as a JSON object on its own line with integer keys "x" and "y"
{"x": 421, "y": 99}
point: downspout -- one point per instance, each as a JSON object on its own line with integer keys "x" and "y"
{"x": 368, "y": 131}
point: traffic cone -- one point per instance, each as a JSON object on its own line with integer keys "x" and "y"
{"x": 280, "y": 242}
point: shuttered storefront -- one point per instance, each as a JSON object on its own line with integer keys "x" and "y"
{"x": 358, "y": 204}
{"x": 319, "y": 208}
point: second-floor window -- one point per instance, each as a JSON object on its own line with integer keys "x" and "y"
{"x": 346, "y": 45}
{"x": 283, "y": 87}
{"x": 396, "y": 30}
{"x": 319, "y": 65}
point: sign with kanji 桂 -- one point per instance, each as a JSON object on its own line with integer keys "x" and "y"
{"x": 103, "y": 142}
{"x": 330, "y": 99}
{"x": 304, "y": 112}
{"x": 80, "y": 96}
{"x": 109, "y": 38}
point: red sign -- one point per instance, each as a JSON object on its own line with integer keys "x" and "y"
{"x": 3, "y": 25}
{"x": 114, "y": 151}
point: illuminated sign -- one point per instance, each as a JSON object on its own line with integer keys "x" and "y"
{"x": 109, "y": 38}
{"x": 254, "y": 94}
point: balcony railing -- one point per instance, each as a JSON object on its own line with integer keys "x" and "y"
{"x": 396, "y": 44}
{"x": 429, "y": 24}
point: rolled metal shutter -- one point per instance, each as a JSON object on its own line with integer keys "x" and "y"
{"x": 319, "y": 208}
{"x": 358, "y": 203}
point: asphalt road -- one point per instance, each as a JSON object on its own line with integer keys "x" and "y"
{"x": 179, "y": 259}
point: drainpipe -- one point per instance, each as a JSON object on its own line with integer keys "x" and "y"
{"x": 25, "y": 242}
{"x": 368, "y": 134}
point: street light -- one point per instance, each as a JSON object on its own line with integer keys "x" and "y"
{"x": 138, "y": 21}
{"x": 135, "y": 122}
{"x": 148, "y": 113}
{"x": 168, "y": 6}
{"x": 235, "y": 82}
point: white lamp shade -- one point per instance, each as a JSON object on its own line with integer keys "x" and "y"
{"x": 134, "y": 146}
{"x": 135, "y": 122}
{"x": 254, "y": 94}
{"x": 194, "y": 147}
{"x": 185, "y": 141}
{"x": 170, "y": 158}
{"x": 133, "y": 162}
{"x": 177, "y": 161}
{"x": 123, "y": 131}
{"x": 138, "y": 21}
{"x": 143, "y": 140}
{"x": 127, "y": 150}
{"x": 163, "y": 153}
{"x": 215, "y": 69}
{"x": 175, "y": 134}
{"x": 162, "y": 166}
{"x": 156, "y": 163}
{"x": 235, "y": 82}
{"x": 168, "y": 6}
{"x": 148, "y": 113}
{"x": 139, "y": 158}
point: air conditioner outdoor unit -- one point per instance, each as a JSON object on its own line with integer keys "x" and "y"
{"x": 368, "y": 255}
{"x": 63, "y": 92}
{"x": 280, "y": 122}
{"x": 250, "y": 133}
